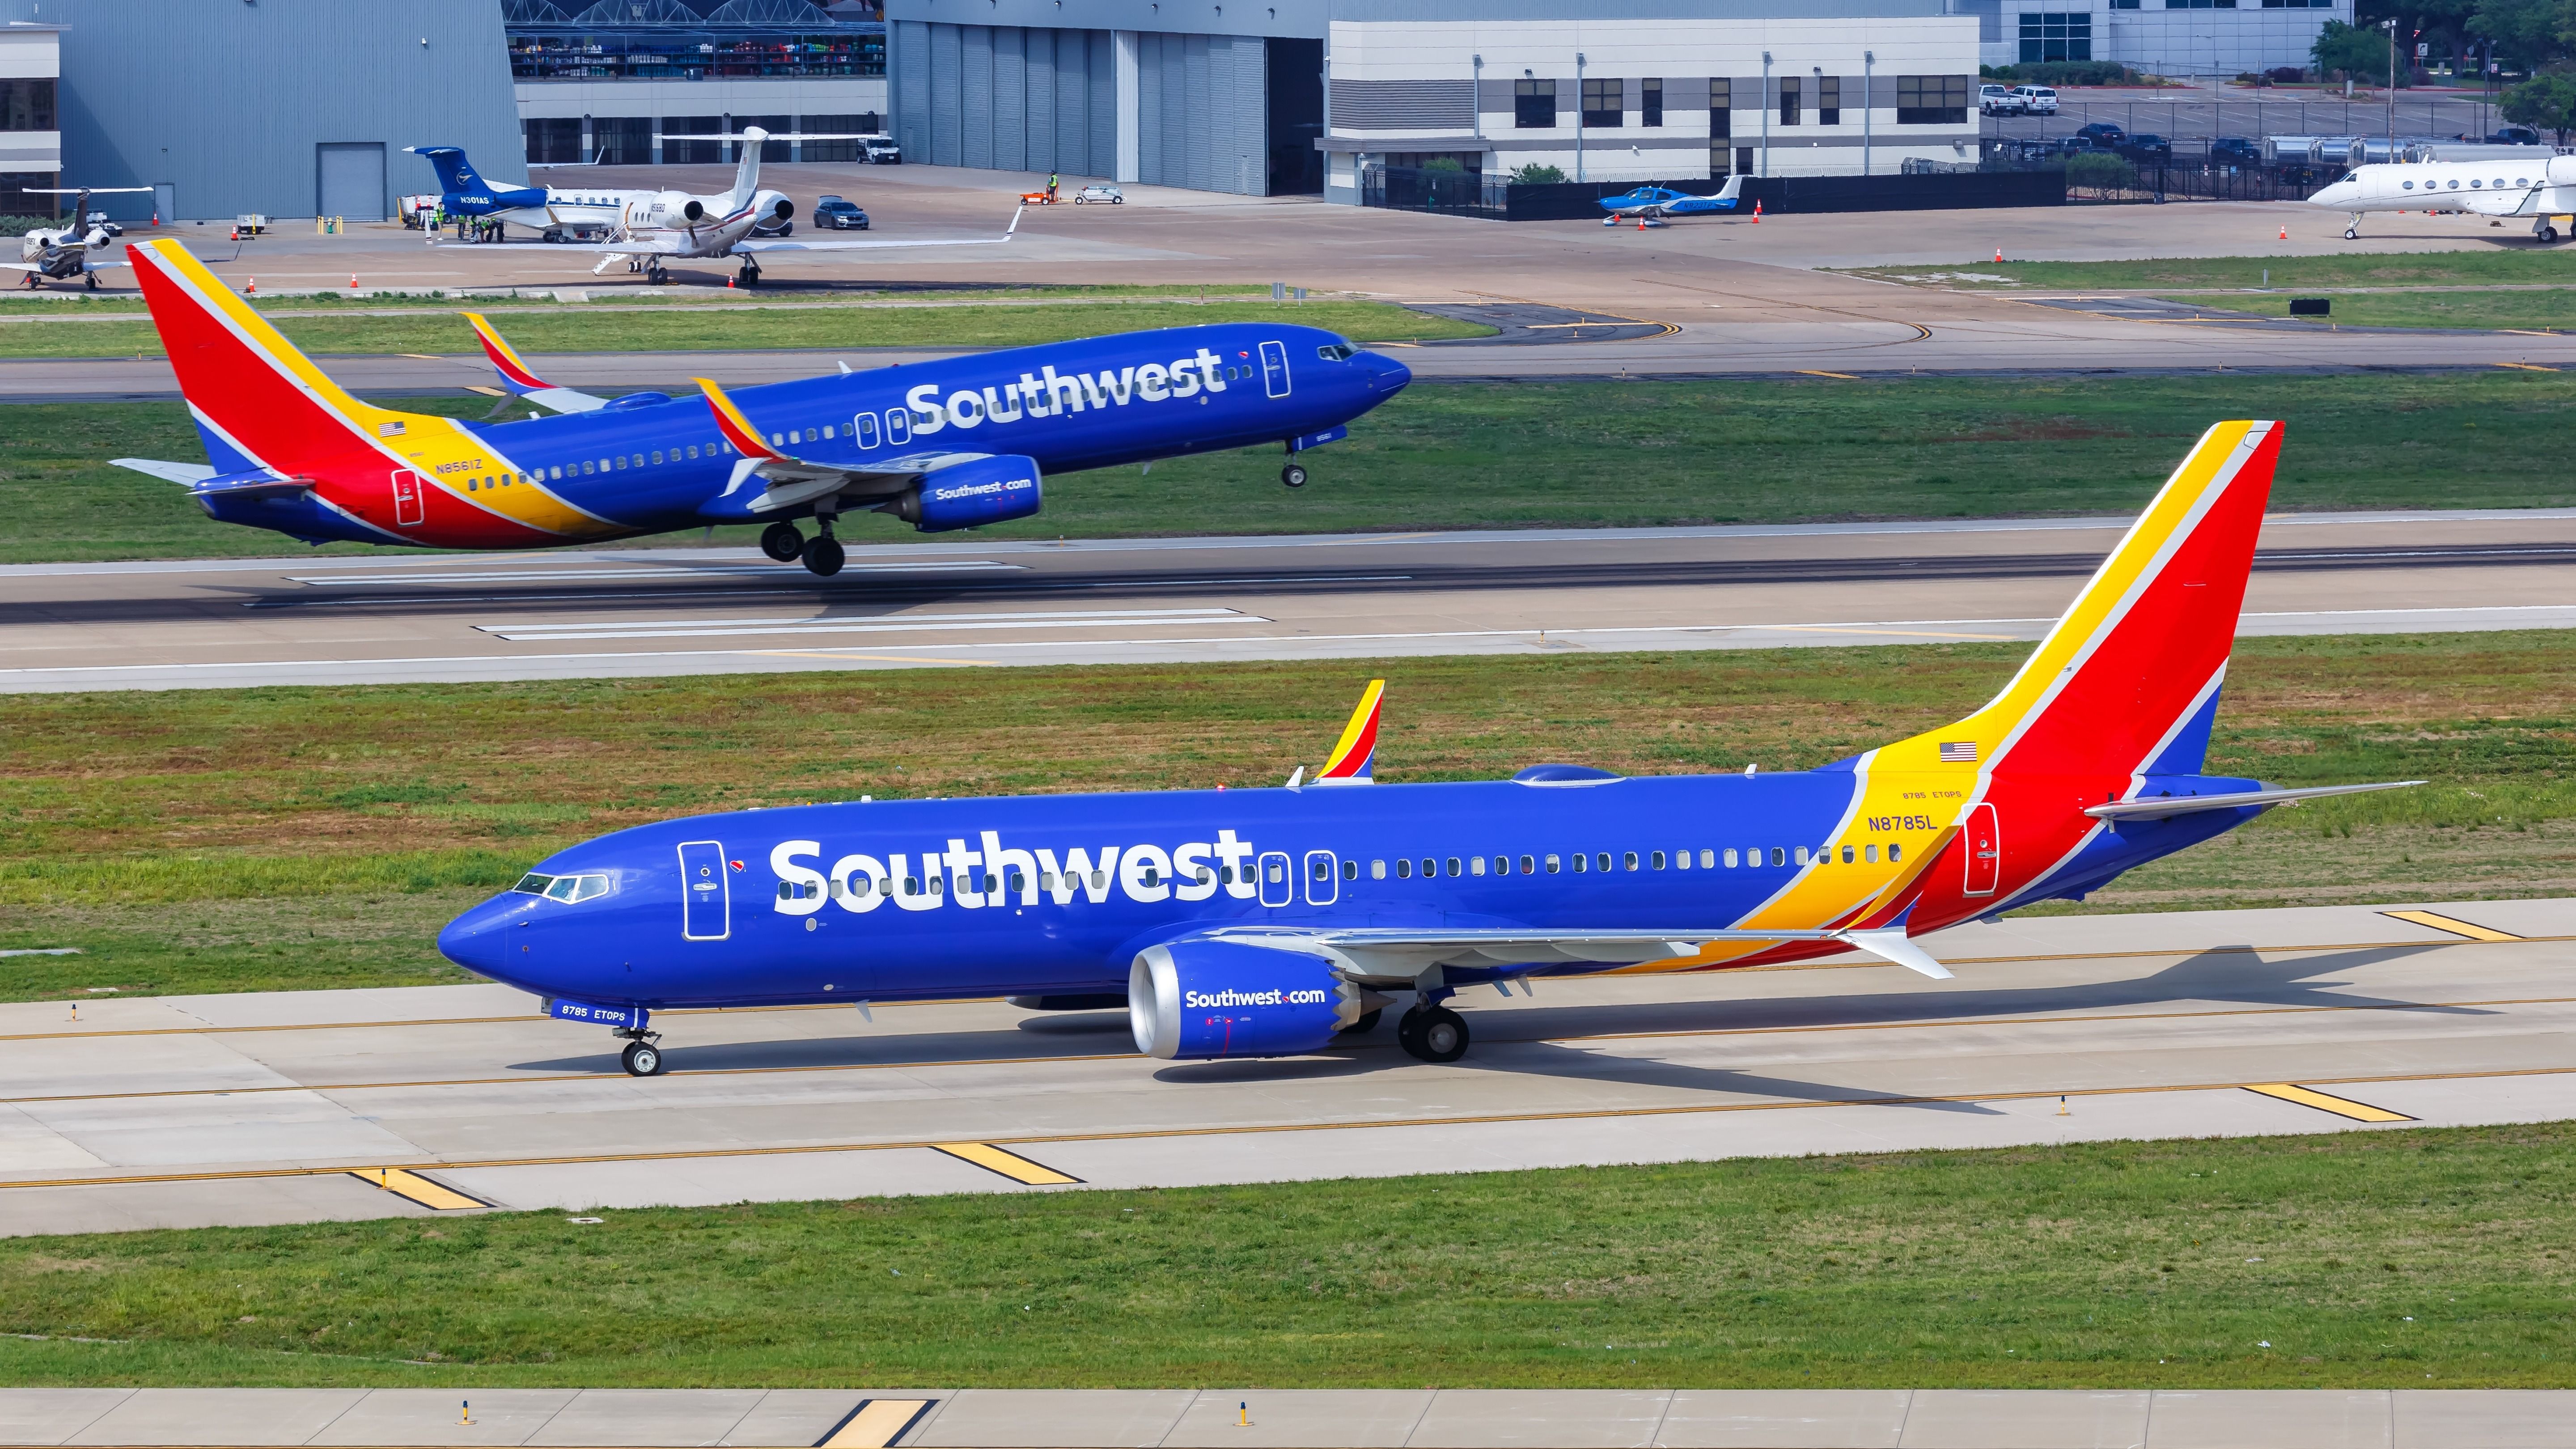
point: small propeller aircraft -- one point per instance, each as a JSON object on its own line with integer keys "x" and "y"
{"x": 62, "y": 254}
{"x": 1652, "y": 204}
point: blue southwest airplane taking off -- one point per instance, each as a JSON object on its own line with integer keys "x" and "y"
{"x": 941, "y": 445}
{"x": 1268, "y": 922}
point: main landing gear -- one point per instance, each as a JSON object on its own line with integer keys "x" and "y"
{"x": 823, "y": 554}
{"x": 1432, "y": 1034}
{"x": 782, "y": 542}
{"x": 643, "y": 1054}
{"x": 749, "y": 276}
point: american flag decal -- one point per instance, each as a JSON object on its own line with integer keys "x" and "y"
{"x": 1958, "y": 752}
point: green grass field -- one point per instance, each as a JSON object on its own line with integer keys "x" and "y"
{"x": 2520, "y": 264}
{"x": 276, "y": 838}
{"x": 2530, "y": 309}
{"x": 2408, "y": 1259}
{"x": 624, "y": 292}
{"x": 637, "y": 329}
{"x": 1570, "y": 454}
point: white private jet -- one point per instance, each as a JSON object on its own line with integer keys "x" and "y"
{"x": 665, "y": 226}
{"x": 61, "y": 254}
{"x": 2543, "y": 189}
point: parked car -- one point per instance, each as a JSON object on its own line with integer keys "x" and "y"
{"x": 2513, "y": 136}
{"x": 2145, "y": 146}
{"x": 880, "y": 150}
{"x": 839, "y": 213}
{"x": 2077, "y": 145}
{"x": 1999, "y": 101}
{"x": 2104, "y": 133}
{"x": 1098, "y": 191}
{"x": 2037, "y": 100}
{"x": 2234, "y": 151}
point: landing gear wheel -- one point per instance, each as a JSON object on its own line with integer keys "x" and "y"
{"x": 1366, "y": 1024}
{"x": 2349, "y": 234}
{"x": 93, "y": 276}
{"x": 2548, "y": 234}
{"x": 748, "y": 277}
{"x": 1294, "y": 475}
{"x": 1436, "y": 1034}
{"x": 642, "y": 1059}
{"x": 782, "y": 542}
{"x": 823, "y": 556}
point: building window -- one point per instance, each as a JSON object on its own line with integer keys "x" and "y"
{"x": 860, "y": 123}
{"x": 1650, "y": 102}
{"x": 684, "y": 153}
{"x": 1605, "y": 102}
{"x": 1829, "y": 100}
{"x": 622, "y": 140}
{"x": 2056, "y": 35}
{"x": 2133, "y": 4}
{"x": 1534, "y": 105}
{"x": 553, "y": 140}
{"x": 2291, "y": 4}
{"x": 2200, "y": 4}
{"x": 1932, "y": 100}
{"x": 27, "y": 105}
{"x": 1789, "y": 100}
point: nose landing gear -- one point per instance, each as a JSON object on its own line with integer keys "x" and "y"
{"x": 643, "y": 1054}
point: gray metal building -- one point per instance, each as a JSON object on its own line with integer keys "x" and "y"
{"x": 291, "y": 108}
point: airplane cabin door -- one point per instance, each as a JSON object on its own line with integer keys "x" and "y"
{"x": 706, "y": 912}
{"x": 408, "y": 490}
{"x": 1985, "y": 852}
{"x": 1274, "y": 369}
{"x": 1276, "y": 888}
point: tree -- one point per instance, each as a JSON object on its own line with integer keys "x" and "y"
{"x": 2546, "y": 101}
{"x": 1535, "y": 174}
{"x": 2528, "y": 32}
{"x": 2101, "y": 171}
{"x": 2352, "y": 51}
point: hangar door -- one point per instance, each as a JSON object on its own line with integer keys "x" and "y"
{"x": 352, "y": 179}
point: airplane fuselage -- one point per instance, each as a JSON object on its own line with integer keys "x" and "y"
{"x": 651, "y": 464}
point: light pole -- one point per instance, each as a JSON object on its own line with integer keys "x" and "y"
{"x": 2392, "y": 88}
{"x": 1868, "y": 67}
{"x": 1578, "y": 115}
{"x": 1766, "y": 113}
{"x": 1476, "y": 99}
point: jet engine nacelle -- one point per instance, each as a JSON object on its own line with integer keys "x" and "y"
{"x": 693, "y": 209}
{"x": 987, "y": 490}
{"x": 2561, "y": 171}
{"x": 1200, "y": 1000}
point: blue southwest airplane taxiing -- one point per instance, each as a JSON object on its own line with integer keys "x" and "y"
{"x": 940, "y": 445}
{"x": 1272, "y": 922}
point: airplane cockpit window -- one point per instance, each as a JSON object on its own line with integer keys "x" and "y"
{"x": 533, "y": 884}
{"x": 573, "y": 889}
{"x": 1336, "y": 352}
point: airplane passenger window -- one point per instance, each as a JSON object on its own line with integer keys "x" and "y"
{"x": 865, "y": 430}
{"x": 657, "y": 456}
{"x": 1781, "y": 857}
{"x": 1582, "y": 862}
{"x": 1453, "y": 865}
{"x": 1322, "y": 869}
{"x": 587, "y": 467}
{"x": 1630, "y": 860}
{"x": 1602, "y": 860}
{"x": 1659, "y": 859}
{"x": 1404, "y": 870}
{"x": 1526, "y": 863}
{"x": 1847, "y": 855}
{"x": 1430, "y": 867}
{"x": 827, "y": 430}
{"x": 1476, "y": 864}
{"x": 1895, "y": 852}
{"x": 1869, "y": 853}
{"x": 1708, "y": 859}
{"x": 1350, "y": 870}
{"x": 1551, "y": 865}
{"x": 1377, "y": 870}
{"x": 1730, "y": 860}
{"x": 469, "y": 485}
{"x": 1802, "y": 855}
{"x": 2409, "y": 185}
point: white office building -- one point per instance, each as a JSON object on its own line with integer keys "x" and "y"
{"x": 2156, "y": 37}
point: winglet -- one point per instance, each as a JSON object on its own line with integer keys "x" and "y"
{"x": 1357, "y": 749}
{"x": 737, "y": 429}
{"x": 520, "y": 380}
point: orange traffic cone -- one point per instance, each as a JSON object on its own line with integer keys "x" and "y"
{"x": 236, "y": 236}
{"x": 1641, "y": 222}
{"x": 353, "y": 281}
{"x": 2285, "y": 232}
{"x": 1999, "y": 254}
{"x": 253, "y": 289}
{"x": 1757, "y": 211}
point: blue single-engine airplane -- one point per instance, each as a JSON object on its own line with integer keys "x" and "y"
{"x": 1653, "y": 203}
{"x": 940, "y": 445}
{"x": 1271, "y": 922}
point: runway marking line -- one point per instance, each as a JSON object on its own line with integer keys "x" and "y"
{"x": 1813, "y": 372}
{"x": 874, "y": 658}
{"x": 1006, "y": 1164}
{"x": 2526, "y": 367}
{"x": 1259, "y": 1129}
{"x": 413, "y": 1187}
{"x": 2090, "y": 1018}
{"x": 2326, "y": 1102}
{"x": 1858, "y": 964}
{"x": 875, "y": 1423}
{"x": 2452, "y": 924}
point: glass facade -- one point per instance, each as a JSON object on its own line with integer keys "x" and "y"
{"x": 2057, "y": 35}
{"x": 689, "y": 39}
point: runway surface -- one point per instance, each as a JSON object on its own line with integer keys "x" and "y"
{"x": 607, "y": 613}
{"x": 1186, "y": 1418}
{"x": 265, "y": 1108}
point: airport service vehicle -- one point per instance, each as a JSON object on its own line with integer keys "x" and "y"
{"x": 64, "y": 253}
{"x": 1654, "y": 203}
{"x": 1270, "y": 922}
{"x": 2037, "y": 100}
{"x": 880, "y": 150}
{"x": 1100, "y": 191}
{"x": 941, "y": 445}
{"x": 839, "y": 213}
{"x": 1999, "y": 101}
{"x": 2542, "y": 188}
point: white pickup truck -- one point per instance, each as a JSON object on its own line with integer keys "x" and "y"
{"x": 1999, "y": 101}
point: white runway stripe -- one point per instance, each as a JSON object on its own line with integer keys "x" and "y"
{"x": 880, "y": 624}
{"x": 547, "y": 576}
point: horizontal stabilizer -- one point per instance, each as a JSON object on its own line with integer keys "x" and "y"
{"x": 189, "y": 474}
{"x": 2166, "y": 807}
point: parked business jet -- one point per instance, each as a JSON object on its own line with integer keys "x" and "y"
{"x": 941, "y": 445}
{"x": 67, "y": 253}
{"x": 2542, "y": 189}
{"x": 1271, "y": 922}
{"x": 554, "y": 212}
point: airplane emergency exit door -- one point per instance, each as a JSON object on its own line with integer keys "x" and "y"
{"x": 1985, "y": 852}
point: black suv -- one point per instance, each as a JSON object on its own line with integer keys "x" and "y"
{"x": 2235, "y": 151}
{"x": 839, "y": 214}
{"x": 2145, "y": 146}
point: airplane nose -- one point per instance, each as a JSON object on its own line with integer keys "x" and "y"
{"x": 1385, "y": 373}
{"x": 478, "y": 940}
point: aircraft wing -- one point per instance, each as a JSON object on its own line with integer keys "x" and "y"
{"x": 762, "y": 246}
{"x": 1395, "y": 955}
{"x": 519, "y": 381}
{"x": 190, "y": 474}
{"x": 792, "y": 481}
